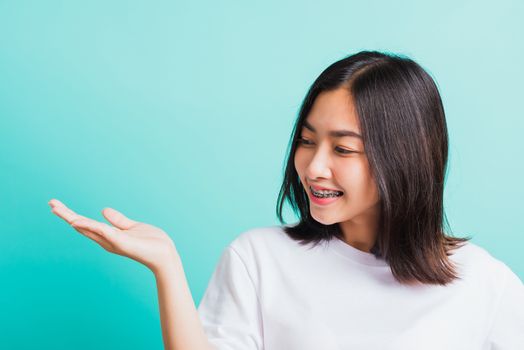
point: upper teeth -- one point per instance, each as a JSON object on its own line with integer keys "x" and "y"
{"x": 324, "y": 191}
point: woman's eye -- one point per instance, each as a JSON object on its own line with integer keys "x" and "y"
{"x": 340, "y": 150}
{"x": 304, "y": 141}
{"x": 343, "y": 151}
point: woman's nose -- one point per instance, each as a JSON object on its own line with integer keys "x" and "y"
{"x": 319, "y": 166}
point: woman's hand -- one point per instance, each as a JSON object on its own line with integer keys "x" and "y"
{"x": 139, "y": 241}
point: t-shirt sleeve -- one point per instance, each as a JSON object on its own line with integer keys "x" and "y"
{"x": 230, "y": 309}
{"x": 507, "y": 332}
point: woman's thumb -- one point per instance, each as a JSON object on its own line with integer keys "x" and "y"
{"x": 118, "y": 219}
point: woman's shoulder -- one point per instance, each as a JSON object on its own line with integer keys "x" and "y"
{"x": 476, "y": 260}
{"x": 260, "y": 237}
{"x": 472, "y": 252}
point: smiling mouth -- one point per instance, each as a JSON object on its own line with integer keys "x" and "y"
{"x": 325, "y": 193}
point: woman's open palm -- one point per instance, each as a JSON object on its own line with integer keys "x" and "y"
{"x": 139, "y": 241}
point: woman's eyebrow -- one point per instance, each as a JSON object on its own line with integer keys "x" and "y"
{"x": 335, "y": 133}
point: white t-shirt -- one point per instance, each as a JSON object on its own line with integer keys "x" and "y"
{"x": 269, "y": 292}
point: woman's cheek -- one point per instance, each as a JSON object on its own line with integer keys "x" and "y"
{"x": 299, "y": 162}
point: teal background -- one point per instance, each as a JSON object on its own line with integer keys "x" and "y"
{"x": 178, "y": 114}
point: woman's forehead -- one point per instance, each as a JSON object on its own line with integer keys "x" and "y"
{"x": 333, "y": 110}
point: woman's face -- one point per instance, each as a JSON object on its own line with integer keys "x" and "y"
{"x": 322, "y": 161}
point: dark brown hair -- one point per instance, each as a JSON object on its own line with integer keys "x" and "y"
{"x": 406, "y": 142}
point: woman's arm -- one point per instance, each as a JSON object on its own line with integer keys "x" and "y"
{"x": 152, "y": 247}
{"x": 181, "y": 326}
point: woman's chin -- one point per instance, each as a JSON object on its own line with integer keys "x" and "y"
{"x": 324, "y": 220}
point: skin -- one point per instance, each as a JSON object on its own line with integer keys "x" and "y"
{"x": 319, "y": 160}
{"x": 152, "y": 247}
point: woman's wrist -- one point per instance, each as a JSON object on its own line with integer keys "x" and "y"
{"x": 169, "y": 265}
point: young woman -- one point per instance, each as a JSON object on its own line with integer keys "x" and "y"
{"x": 369, "y": 264}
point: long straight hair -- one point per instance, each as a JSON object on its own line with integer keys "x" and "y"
{"x": 406, "y": 142}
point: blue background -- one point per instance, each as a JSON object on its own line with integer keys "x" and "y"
{"x": 178, "y": 114}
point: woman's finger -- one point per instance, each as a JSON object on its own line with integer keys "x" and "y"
{"x": 103, "y": 230}
{"x": 118, "y": 219}
{"x": 95, "y": 237}
{"x": 64, "y": 212}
